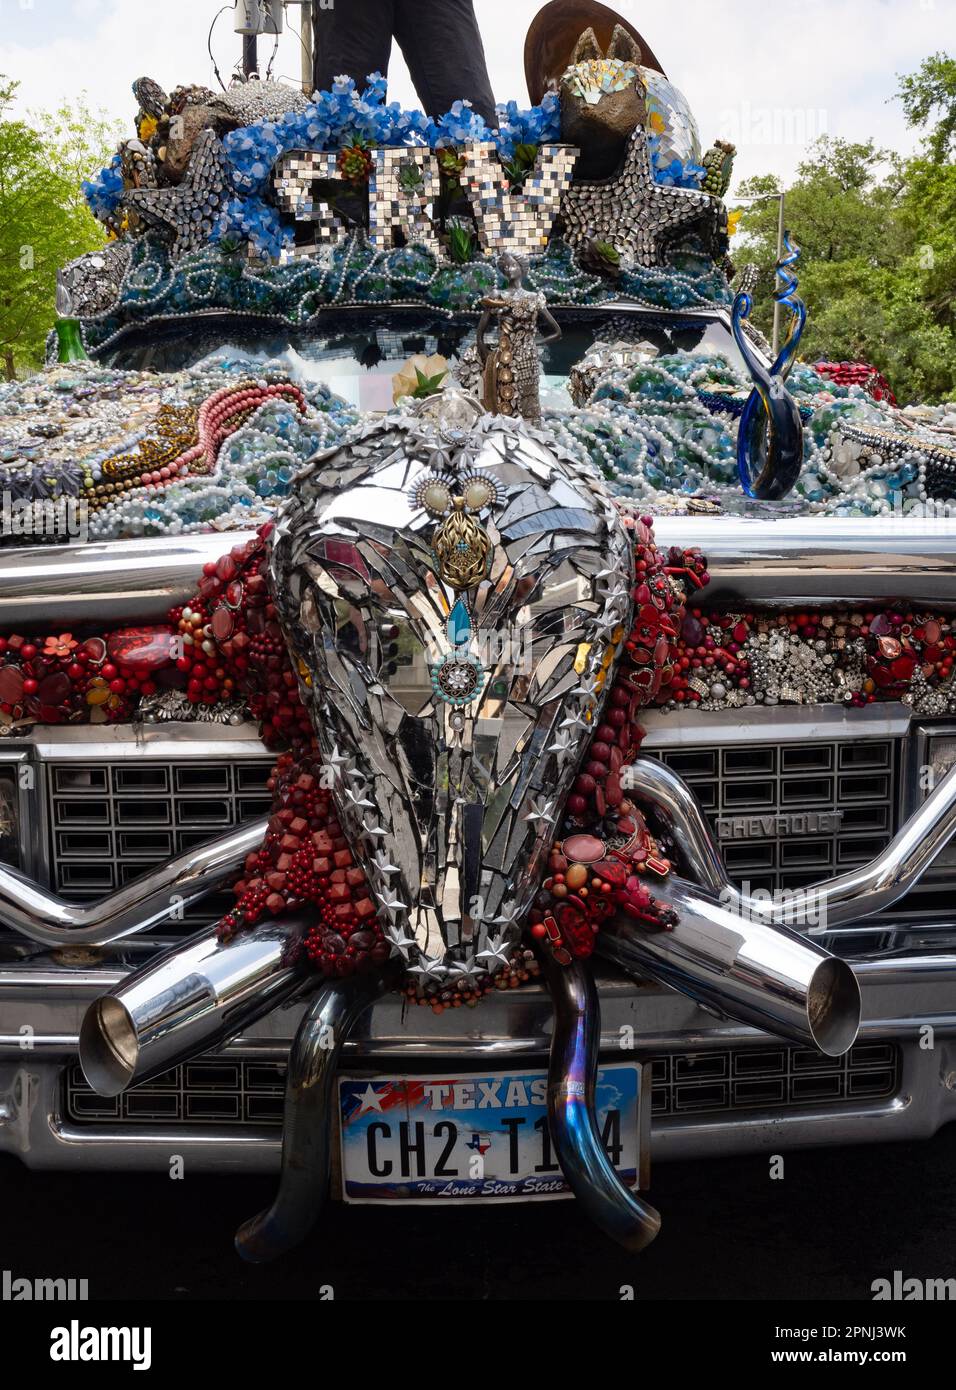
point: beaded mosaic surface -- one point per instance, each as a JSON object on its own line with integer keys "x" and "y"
{"x": 215, "y": 447}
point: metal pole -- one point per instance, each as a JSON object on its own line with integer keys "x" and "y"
{"x": 307, "y": 49}
{"x": 316, "y": 26}
{"x": 250, "y": 54}
{"x": 778, "y": 307}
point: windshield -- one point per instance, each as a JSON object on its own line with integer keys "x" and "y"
{"x": 357, "y": 352}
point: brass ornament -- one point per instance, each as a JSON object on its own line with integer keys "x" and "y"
{"x": 462, "y": 548}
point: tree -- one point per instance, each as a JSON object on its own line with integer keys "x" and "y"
{"x": 44, "y": 221}
{"x": 877, "y": 235}
{"x": 932, "y": 88}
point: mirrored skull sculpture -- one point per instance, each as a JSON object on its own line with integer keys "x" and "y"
{"x": 454, "y": 589}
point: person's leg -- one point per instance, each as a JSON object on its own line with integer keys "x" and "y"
{"x": 442, "y": 46}
{"x": 352, "y": 39}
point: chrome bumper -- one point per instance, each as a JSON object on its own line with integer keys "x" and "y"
{"x": 785, "y": 561}
{"x": 905, "y": 992}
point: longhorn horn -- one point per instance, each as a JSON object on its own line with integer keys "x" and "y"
{"x": 572, "y": 1074}
{"x": 189, "y": 999}
{"x": 308, "y": 1123}
{"x": 766, "y": 976}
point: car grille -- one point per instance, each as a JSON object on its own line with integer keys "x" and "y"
{"x": 770, "y": 1078}
{"x": 242, "y": 1092}
{"x": 112, "y": 821}
{"x": 772, "y": 806}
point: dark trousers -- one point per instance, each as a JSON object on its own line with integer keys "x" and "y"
{"x": 439, "y": 39}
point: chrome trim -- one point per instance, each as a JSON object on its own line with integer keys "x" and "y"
{"x": 511, "y": 1027}
{"x": 792, "y": 560}
{"x": 191, "y": 998}
{"x": 155, "y": 897}
{"x": 786, "y": 562}
{"x": 43, "y": 1001}
{"x": 683, "y": 728}
{"x": 748, "y": 970}
{"x": 107, "y": 582}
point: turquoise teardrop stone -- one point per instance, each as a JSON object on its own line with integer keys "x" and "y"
{"x": 458, "y": 625}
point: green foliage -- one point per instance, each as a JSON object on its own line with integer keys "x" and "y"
{"x": 44, "y": 220}
{"x": 427, "y": 385}
{"x": 521, "y": 165}
{"x": 877, "y": 235}
{"x": 931, "y": 90}
{"x": 461, "y": 240}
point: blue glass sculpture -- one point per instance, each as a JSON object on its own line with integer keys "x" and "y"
{"x": 770, "y": 438}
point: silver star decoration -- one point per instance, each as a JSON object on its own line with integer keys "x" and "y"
{"x": 634, "y": 213}
{"x": 563, "y": 745}
{"x": 191, "y": 209}
{"x": 383, "y": 866}
{"x": 429, "y": 969}
{"x": 510, "y": 916}
{"x": 336, "y": 760}
{"x": 401, "y": 944}
{"x": 576, "y": 721}
{"x": 607, "y": 625}
{"x": 357, "y": 798}
{"x": 588, "y": 688}
{"x": 470, "y": 969}
{"x": 541, "y": 811}
{"x": 392, "y": 905}
{"x": 374, "y": 830}
{"x": 616, "y": 599}
{"x": 496, "y": 952}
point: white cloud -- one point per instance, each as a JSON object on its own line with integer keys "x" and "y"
{"x": 769, "y": 74}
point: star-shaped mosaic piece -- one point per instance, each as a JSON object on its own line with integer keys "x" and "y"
{"x": 631, "y": 211}
{"x": 191, "y": 209}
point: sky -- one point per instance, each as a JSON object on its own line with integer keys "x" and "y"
{"x": 768, "y": 76}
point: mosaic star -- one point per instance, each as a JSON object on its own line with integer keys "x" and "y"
{"x": 631, "y": 211}
{"x": 191, "y": 209}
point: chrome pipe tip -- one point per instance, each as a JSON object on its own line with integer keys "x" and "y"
{"x": 834, "y": 1007}
{"x": 109, "y": 1047}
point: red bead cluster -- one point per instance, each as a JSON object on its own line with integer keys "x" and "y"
{"x": 64, "y": 679}
{"x": 898, "y": 643}
{"x": 305, "y": 860}
{"x": 708, "y": 648}
{"x": 233, "y": 644}
{"x": 858, "y": 374}
{"x": 603, "y": 871}
{"x": 468, "y": 991}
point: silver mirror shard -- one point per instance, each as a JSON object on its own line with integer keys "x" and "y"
{"x": 455, "y": 590}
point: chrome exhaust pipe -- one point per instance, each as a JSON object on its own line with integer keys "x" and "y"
{"x": 572, "y": 1074}
{"x": 832, "y": 902}
{"x": 186, "y": 1001}
{"x": 162, "y": 892}
{"x": 309, "y": 1121}
{"x": 746, "y": 969}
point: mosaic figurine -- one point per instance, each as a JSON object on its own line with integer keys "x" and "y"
{"x": 512, "y": 369}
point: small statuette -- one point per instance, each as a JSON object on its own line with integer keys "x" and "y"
{"x": 512, "y": 370}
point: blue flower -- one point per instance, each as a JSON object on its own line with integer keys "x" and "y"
{"x": 541, "y": 125}
{"x": 103, "y": 193}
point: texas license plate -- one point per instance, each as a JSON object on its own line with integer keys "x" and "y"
{"x": 464, "y": 1137}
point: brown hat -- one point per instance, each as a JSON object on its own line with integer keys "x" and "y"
{"x": 555, "y": 31}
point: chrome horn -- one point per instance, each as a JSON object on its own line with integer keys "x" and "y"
{"x": 186, "y": 1001}
{"x": 747, "y": 969}
{"x": 870, "y": 888}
